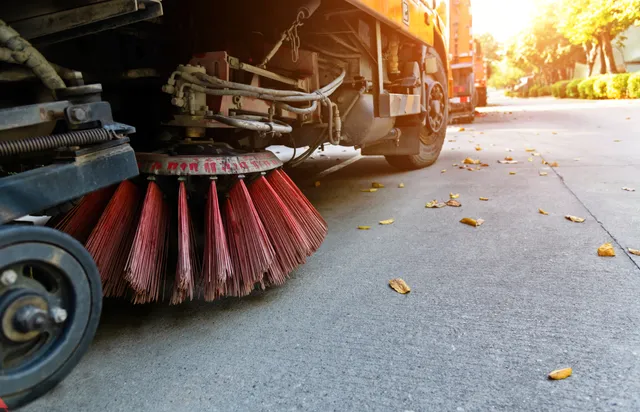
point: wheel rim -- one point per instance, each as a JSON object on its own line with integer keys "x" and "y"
{"x": 437, "y": 107}
{"x": 34, "y": 343}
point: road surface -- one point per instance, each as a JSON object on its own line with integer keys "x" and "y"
{"x": 492, "y": 310}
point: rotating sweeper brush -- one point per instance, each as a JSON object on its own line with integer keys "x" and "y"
{"x": 257, "y": 226}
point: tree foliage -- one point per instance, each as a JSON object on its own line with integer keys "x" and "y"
{"x": 490, "y": 46}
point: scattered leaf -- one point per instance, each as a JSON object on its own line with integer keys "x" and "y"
{"x": 629, "y": 189}
{"x": 364, "y": 227}
{"x": 472, "y": 222}
{"x": 529, "y": 150}
{"x": 399, "y": 286}
{"x": 485, "y": 199}
{"x": 369, "y": 190}
{"x": 530, "y": 159}
{"x": 471, "y": 169}
{"x": 481, "y": 132}
{"x": 508, "y": 162}
{"x": 512, "y": 173}
{"x": 554, "y": 133}
{"x": 462, "y": 129}
{"x": 628, "y": 118}
{"x": 606, "y": 250}
{"x": 554, "y": 164}
{"x": 575, "y": 219}
{"x": 508, "y": 158}
{"x": 535, "y": 154}
{"x": 484, "y": 165}
{"x": 317, "y": 184}
{"x": 617, "y": 140}
{"x": 634, "y": 252}
{"x": 544, "y": 162}
{"x": 434, "y": 204}
{"x": 443, "y": 171}
{"x": 542, "y": 212}
{"x": 454, "y": 196}
{"x": 543, "y": 173}
{"x": 478, "y": 148}
{"x": 401, "y": 185}
{"x": 453, "y": 203}
{"x": 560, "y": 374}
{"x": 470, "y": 161}
{"x": 455, "y": 165}
{"x": 452, "y": 140}
{"x": 387, "y": 222}
{"x": 377, "y": 185}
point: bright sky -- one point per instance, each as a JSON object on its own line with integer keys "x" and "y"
{"x": 502, "y": 18}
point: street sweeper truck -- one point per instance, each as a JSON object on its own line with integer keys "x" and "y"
{"x": 135, "y": 135}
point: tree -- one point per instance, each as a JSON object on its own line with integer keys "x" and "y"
{"x": 593, "y": 24}
{"x": 490, "y": 46}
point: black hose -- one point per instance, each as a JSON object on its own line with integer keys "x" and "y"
{"x": 42, "y": 143}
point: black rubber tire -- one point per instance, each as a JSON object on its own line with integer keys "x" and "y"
{"x": 430, "y": 143}
{"x": 18, "y": 234}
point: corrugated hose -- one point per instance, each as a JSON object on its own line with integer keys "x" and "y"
{"x": 42, "y": 143}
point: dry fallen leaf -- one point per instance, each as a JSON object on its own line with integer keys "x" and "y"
{"x": 554, "y": 133}
{"x": 629, "y": 189}
{"x": 484, "y": 199}
{"x": 606, "y": 250}
{"x": 451, "y": 140}
{"x": 399, "y": 286}
{"x": 628, "y": 118}
{"x": 617, "y": 140}
{"x": 317, "y": 184}
{"x": 364, "y": 227}
{"x": 434, "y": 204}
{"x": 454, "y": 196}
{"x": 634, "y": 252}
{"x": 377, "y": 185}
{"x": 543, "y": 173}
{"x": 508, "y": 158}
{"x": 470, "y": 161}
{"x": 478, "y": 149}
{"x": 512, "y": 173}
{"x": 536, "y": 154}
{"x": 387, "y": 222}
{"x": 369, "y": 190}
{"x": 560, "y": 374}
{"x": 443, "y": 171}
{"x": 484, "y": 165}
{"x": 472, "y": 222}
{"x": 544, "y": 162}
{"x": 455, "y": 165}
{"x": 401, "y": 185}
{"x": 530, "y": 159}
{"x": 554, "y": 164}
{"x": 575, "y": 219}
{"x": 528, "y": 149}
{"x": 453, "y": 203}
{"x": 481, "y": 132}
{"x": 542, "y": 212}
{"x": 462, "y": 129}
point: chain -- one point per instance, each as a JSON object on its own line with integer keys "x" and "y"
{"x": 294, "y": 39}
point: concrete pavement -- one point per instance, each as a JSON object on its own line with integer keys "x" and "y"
{"x": 492, "y": 310}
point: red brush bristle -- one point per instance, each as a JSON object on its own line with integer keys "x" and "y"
{"x": 251, "y": 252}
{"x": 145, "y": 268}
{"x": 83, "y": 217}
{"x": 216, "y": 266}
{"x": 312, "y": 224}
{"x": 186, "y": 268}
{"x": 110, "y": 241}
{"x": 287, "y": 238}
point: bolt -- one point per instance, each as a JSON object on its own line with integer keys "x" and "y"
{"x": 59, "y": 315}
{"x": 9, "y": 277}
{"x": 78, "y": 114}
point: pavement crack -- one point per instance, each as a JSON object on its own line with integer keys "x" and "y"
{"x": 626, "y": 253}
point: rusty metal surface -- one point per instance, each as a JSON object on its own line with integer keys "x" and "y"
{"x": 207, "y": 165}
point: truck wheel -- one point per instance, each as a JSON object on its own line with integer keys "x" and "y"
{"x": 430, "y": 142}
{"x": 50, "y": 303}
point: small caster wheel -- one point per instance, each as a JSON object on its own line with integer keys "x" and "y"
{"x": 50, "y": 303}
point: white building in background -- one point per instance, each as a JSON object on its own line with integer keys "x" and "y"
{"x": 627, "y": 57}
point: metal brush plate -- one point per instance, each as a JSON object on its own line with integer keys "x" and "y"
{"x": 207, "y": 165}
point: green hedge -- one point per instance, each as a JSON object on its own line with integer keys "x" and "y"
{"x": 586, "y": 88}
{"x": 600, "y": 86}
{"x": 617, "y": 86}
{"x": 533, "y": 91}
{"x": 559, "y": 89}
{"x": 633, "y": 87}
{"x": 572, "y": 88}
{"x": 544, "y": 91}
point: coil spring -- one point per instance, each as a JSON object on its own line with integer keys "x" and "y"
{"x": 41, "y": 143}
